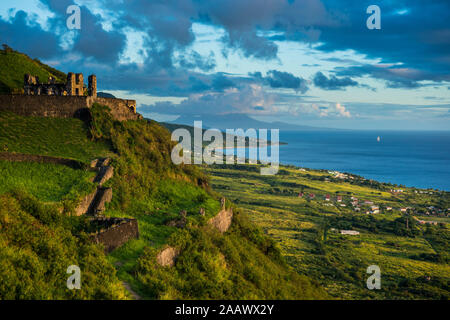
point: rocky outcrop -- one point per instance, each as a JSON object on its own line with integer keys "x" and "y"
{"x": 222, "y": 221}
{"x": 167, "y": 257}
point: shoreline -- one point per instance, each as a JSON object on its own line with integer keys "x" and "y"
{"x": 248, "y": 147}
{"x": 346, "y": 172}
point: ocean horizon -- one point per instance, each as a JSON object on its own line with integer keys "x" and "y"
{"x": 418, "y": 159}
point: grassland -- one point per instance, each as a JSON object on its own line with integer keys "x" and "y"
{"x": 67, "y": 138}
{"x": 47, "y": 182}
{"x": 37, "y": 244}
{"x": 412, "y": 265}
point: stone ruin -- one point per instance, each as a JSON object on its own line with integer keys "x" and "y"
{"x": 74, "y": 86}
{"x": 65, "y": 100}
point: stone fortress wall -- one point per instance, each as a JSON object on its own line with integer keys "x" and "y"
{"x": 64, "y": 100}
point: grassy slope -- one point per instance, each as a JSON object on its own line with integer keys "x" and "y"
{"x": 155, "y": 190}
{"x": 14, "y": 65}
{"x": 47, "y": 182}
{"x": 48, "y": 136}
{"x": 340, "y": 262}
{"x": 37, "y": 245}
{"x": 149, "y": 187}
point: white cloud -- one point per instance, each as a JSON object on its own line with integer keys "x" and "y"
{"x": 340, "y": 109}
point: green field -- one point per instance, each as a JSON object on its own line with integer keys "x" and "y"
{"x": 414, "y": 262}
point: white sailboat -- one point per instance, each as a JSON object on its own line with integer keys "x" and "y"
{"x": 378, "y": 139}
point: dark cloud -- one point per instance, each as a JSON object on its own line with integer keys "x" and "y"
{"x": 412, "y": 47}
{"x": 171, "y": 21}
{"x": 194, "y": 60}
{"x": 30, "y": 39}
{"x": 92, "y": 41}
{"x": 165, "y": 82}
{"x": 394, "y": 75}
{"x": 221, "y": 82}
{"x": 333, "y": 83}
{"x": 281, "y": 79}
{"x": 416, "y": 39}
{"x": 251, "y": 45}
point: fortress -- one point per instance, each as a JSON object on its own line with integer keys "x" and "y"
{"x": 64, "y": 100}
{"x": 73, "y": 87}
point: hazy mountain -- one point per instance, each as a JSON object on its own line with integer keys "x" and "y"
{"x": 240, "y": 120}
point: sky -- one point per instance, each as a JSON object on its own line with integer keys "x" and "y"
{"x": 310, "y": 62}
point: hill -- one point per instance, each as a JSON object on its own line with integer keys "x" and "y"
{"x": 15, "y": 65}
{"x": 40, "y": 235}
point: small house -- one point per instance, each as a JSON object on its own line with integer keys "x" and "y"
{"x": 350, "y": 232}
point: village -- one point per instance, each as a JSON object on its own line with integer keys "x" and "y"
{"x": 350, "y": 203}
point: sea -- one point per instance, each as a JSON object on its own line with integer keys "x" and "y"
{"x": 411, "y": 158}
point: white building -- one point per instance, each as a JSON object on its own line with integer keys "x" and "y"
{"x": 350, "y": 232}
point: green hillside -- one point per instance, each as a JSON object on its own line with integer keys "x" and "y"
{"x": 39, "y": 238}
{"x": 37, "y": 244}
{"x": 14, "y": 65}
{"x": 147, "y": 186}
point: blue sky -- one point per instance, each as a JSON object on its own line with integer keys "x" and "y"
{"x": 308, "y": 62}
